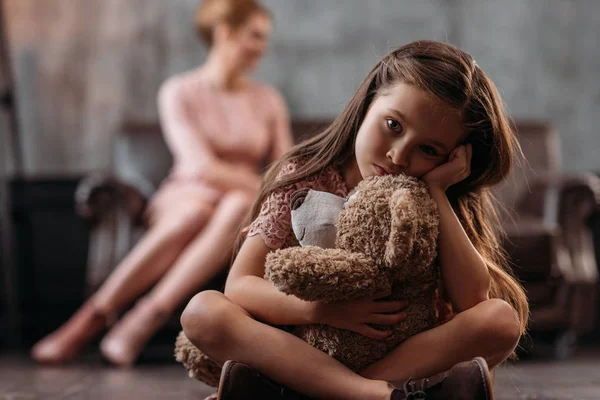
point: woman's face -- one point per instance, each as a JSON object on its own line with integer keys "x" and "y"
{"x": 246, "y": 45}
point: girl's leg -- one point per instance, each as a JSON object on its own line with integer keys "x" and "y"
{"x": 201, "y": 261}
{"x": 224, "y": 331}
{"x": 141, "y": 268}
{"x": 489, "y": 329}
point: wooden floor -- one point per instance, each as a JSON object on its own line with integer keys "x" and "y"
{"x": 574, "y": 379}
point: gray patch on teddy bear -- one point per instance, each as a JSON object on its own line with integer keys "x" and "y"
{"x": 314, "y": 221}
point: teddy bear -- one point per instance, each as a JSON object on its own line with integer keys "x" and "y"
{"x": 382, "y": 239}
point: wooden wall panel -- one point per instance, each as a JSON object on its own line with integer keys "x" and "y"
{"x": 83, "y": 66}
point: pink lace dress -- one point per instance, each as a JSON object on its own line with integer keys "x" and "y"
{"x": 215, "y": 134}
{"x": 274, "y": 222}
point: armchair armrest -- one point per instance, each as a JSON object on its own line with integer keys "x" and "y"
{"x": 562, "y": 198}
{"x": 114, "y": 207}
{"x": 531, "y": 246}
{"x": 569, "y": 201}
{"x": 98, "y": 195}
{"x": 566, "y": 201}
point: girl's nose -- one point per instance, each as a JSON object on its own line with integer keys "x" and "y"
{"x": 399, "y": 155}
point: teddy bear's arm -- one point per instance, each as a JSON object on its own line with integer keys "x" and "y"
{"x": 316, "y": 274}
{"x": 199, "y": 365}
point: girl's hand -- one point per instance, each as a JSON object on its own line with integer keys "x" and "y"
{"x": 456, "y": 169}
{"x": 355, "y": 315}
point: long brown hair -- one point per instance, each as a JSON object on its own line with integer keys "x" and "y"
{"x": 451, "y": 75}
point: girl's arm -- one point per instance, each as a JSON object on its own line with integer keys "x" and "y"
{"x": 189, "y": 147}
{"x": 464, "y": 272}
{"x": 246, "y": 287}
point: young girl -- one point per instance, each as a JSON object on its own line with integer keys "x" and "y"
{"x": 425, "y": 110}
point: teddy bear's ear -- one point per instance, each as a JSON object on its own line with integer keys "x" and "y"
{"x": 414, "y": 228}
{"x": 402, "y": 230}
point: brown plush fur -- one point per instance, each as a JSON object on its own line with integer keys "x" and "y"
{"x": 198, "y": 364}
{"x": 386, "y": 240}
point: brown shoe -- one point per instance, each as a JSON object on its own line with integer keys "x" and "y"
{"x": 127, "y": 338}
{"x": 242, "y": 382}
{"x": 69, "y": 340}
{"x": 469, "y": 380}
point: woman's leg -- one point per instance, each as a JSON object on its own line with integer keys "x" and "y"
{"x": 224, "y": 331}
{"x": 141, "y": 268}
{"x": 154, "y": 255}
{"x": 202, "y": 260}
{"x": 205, "y": 257}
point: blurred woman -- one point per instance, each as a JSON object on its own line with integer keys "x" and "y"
{"x": 221, "y": 127}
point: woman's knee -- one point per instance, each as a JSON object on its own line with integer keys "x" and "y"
{"x": 204, "y": 319}
{"x": 238, "y": 201}
{"x": 190, "y": 217}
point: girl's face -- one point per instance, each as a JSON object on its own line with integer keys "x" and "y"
{"x": 405, "y": 131}
{"x": 245, "y": 46}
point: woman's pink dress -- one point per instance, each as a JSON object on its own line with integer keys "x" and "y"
{"x": 210, "y": 129}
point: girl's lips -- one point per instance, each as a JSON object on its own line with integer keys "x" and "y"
{"x": 381, "y": 171}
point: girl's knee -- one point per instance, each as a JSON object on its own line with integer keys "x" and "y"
{"x": 499, "y": 324}
{"x": 204, "y": 318}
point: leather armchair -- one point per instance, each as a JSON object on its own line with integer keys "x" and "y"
{"x": 550, "y": 242}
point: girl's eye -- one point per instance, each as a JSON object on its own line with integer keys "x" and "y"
{"x": 429, "y": 150}
{"x": 394, "y": 125}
